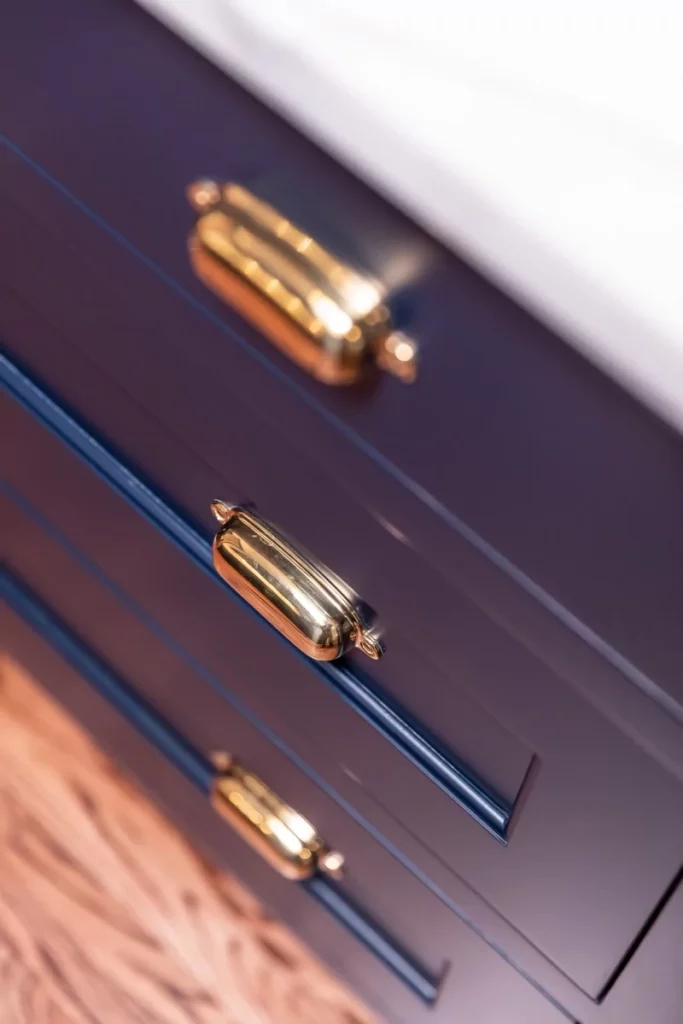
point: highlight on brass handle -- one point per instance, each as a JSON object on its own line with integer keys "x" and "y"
{"x": 328, "y": 317}
{"x": 282, "y": 836}
{"x": 305, "y": 601}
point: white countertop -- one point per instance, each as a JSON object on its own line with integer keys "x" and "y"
{"x": 544, "y": 141}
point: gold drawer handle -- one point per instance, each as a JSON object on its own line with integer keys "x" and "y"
{"x": 305, "y": 601}
{"x": 329, "y": 318}
{"x": 282, "y": 836}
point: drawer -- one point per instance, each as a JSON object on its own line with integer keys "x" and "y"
{"x": 595, "y": 838}
{"x": 362, "y": 924}
{"x": 508, "y": 438}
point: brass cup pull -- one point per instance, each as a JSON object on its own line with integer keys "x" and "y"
{"x": 282, "y": 836}
{"x": 306, "y": 602}
{"x": 329, "y": 318}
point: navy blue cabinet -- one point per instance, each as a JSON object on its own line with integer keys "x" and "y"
{"x": 514, "y": 765}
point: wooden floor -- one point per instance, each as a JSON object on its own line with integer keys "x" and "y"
{"x": 108, "y": 915}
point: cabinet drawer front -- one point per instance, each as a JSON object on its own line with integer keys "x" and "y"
{"x": 505, "y": 427}
{"x": 596, "y": 838}
{"x": 351, "y": 923}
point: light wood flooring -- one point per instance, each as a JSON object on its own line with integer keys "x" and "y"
{"x": 109, "y": 916}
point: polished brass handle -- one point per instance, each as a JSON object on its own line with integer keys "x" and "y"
{"x": 305, "y": 601}
{"x": 328, "y": 317}
{"x": 282, "y": 836}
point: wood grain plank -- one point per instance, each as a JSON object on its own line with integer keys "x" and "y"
{"x": 107, "y": 913}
